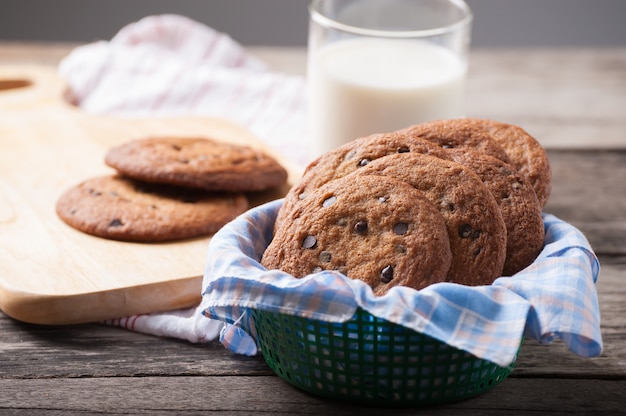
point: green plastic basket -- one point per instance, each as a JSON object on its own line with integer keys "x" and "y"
{"x": 371, "y": 361}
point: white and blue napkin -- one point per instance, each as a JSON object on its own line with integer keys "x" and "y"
{"x": 553, "y": 298}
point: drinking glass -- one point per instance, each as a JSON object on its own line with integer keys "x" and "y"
{"x": 375, "y": 66}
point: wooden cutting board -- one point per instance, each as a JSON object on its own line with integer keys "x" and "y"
{"x": 51, "y": 273}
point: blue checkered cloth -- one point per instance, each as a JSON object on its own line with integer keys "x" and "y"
{"x": 553, "y": 298}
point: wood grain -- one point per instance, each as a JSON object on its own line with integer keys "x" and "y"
{"x": 102, "y": 361}
{"x": 67, "y": 351}
{"x": 589, "y": 190}
{"x": 237, "y": 395}
{"x": 573, "y": 98}
{"x": 51, "y": 273}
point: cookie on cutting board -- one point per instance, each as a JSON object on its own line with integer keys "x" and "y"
{"x": 120, "y": 208}
{"x": 200, "y": 163}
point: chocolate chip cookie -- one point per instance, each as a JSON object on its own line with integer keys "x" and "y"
{"x": 473, "y": 220}
{"x": 351, "y": 157}
{"x": 457, "y": 133}
{"x": 197, "y": 163}
{"x": 524, "y": 152}
{"x": 120, "y": 208}
{"x": 373, "y": 228}
{"x": 518, "y": 204}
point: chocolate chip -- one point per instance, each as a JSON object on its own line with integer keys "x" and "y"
{"x": 477, "y": 251}
{"x": 116, "y": 222}
{"x": 329, "y": 201}
{"x": 360, "y": 227}
{"x": 309, "y": 242}
{"x": 364, "y": 162}
{"x": 325, "y": 257}
{"x": 445, "y": 204}
{"x": 386, "y": 274}
{"x": 401, "y": 228}
{"x": 475, "y": 234}
{"x": 94, "y": 192}
{"x": 465, "y": 230}
{"x": 404, "y": 150}
{"x": 143, "y": 188}
{"x": 316, "y": 269}
{"x": 401, "y": 249}
{"x": 341, "y": 268}
{"x": 176, "y": 147}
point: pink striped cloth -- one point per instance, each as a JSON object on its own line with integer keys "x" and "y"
{"x": 170, "y": 65}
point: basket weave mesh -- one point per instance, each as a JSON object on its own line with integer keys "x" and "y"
{"x": 370, "y": 360}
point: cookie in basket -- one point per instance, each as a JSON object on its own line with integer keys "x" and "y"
{"x": 473, "y": 219}
{"x": 197, "y": 163}
{"x": 524, "y": 152}
{"x": 350, "y": 157}
{"x": 518, "y": 204}
{"x": 119, "y": 208}
{"x": 456, "y": 133}
{"x": 372, "y": 228}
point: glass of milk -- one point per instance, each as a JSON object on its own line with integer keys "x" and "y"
{"x": 376, "y": 66}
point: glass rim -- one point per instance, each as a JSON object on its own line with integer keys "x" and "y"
{"x": 324, "y": 20}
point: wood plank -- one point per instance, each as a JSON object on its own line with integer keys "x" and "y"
{"x": 90, "y": 368}
{"x": 579, "y": 105}
{"x": 93, "y": 350}
{"x": 40, "y": 53}
{"x": 50, "y": 272}
{"x": 589, "y": 191}
{"x": 263, "y": 394}
{"x": 566, "y": 98}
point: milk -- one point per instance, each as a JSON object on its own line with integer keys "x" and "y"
{"x": 364, "y": 86}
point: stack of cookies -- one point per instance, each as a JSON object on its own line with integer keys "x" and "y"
{"x": 169, "y": 188}
{"x": 445, "y": 201}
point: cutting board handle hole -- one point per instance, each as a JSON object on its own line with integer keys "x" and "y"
{"x": 12, "y": 84}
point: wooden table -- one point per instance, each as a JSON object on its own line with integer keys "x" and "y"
{"x": 573, "y": 101}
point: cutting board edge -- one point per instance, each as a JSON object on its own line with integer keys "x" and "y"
{"x": 41, "y": 102}
{"x": 62, "y": 309}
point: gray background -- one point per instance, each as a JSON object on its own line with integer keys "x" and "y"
{"x": 498, "y": 23}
